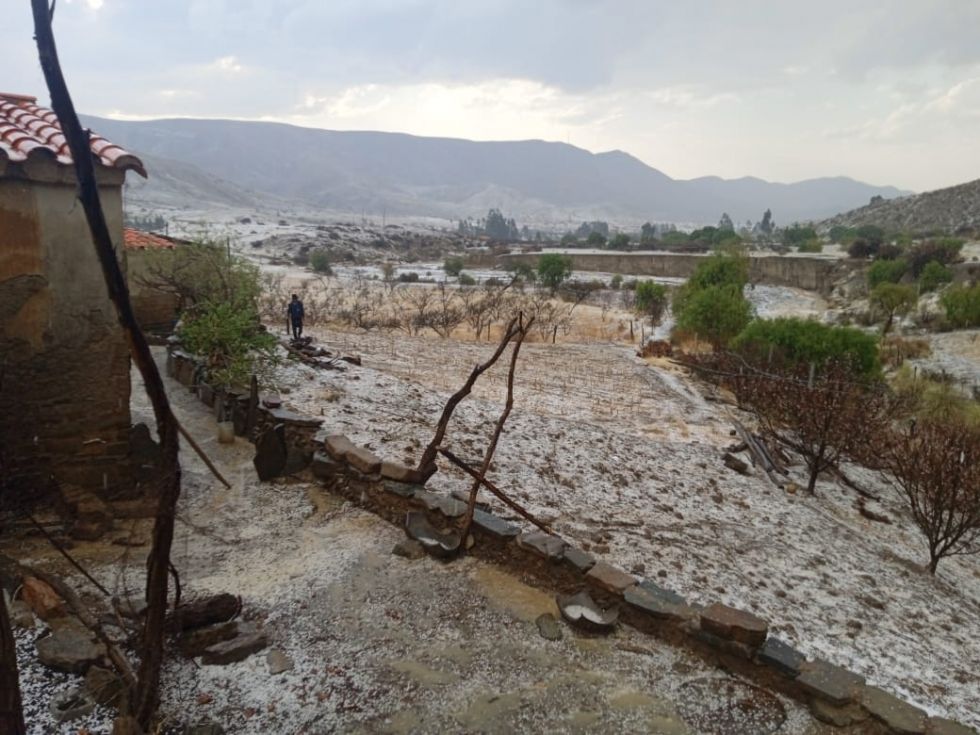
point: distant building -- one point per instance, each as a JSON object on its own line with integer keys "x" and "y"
{"x": 64, "y": 361}
{"x": 156, "y": 310}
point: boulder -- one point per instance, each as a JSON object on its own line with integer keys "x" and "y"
{"x": 238, "y": 648}
{"x": 43, "y": 600}
{"x": 70, "y": 648}
{"x": 196, "y": 613}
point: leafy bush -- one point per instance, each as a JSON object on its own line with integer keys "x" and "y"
{"x": 811, "y": 246}
{"x": 843, "y": 235}
{"x": 553, "y": 269}
{"x": 320, "y": 262}
{"x": 465, "y": 279}
{"x": 596, "y": 239}
{"x": 871, "y": 233}
{"x": 651, "y": 300}
{"x": 798, "y": 234}
{"x": 943, "y": 251}
{"x": 411, "y": 277}
{"x": 232, "y": 342}
{"x": 797, "y": 341}
{"x": 717, "y": 313}
{"x": 616, "y": 282}
{"x": 620, "y": 241}
{"x": 888, "y": 251}
{"x": 721, "y": 270}
{"x": 453, "y": 266}
{"x": 886, "y": 271}
{"x": 934, "y": 275}
{"x": 962, "y": 306}
{"x": 861, "y": 248}
{"x": 892, "y": 299}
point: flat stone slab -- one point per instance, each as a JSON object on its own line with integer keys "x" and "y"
{"x": 278, "y": 661}
{"x": 901, "y": 717}
{"x": 495, "y": 526}
{"x": 781, "y": 656}
{"x": 609, "y": 578}
{"x": 543, "y": 544}
{"x": 657, "y": 601}
{"x": 735, "y": 625}
{"x": 401, "y": 489}
{"x": 193, "y": 643}
{"x": 581, "y": 610}
{"x": 581, "y": 560}
{"x": 238, "y": 648}
{"x": 436, "y": 543}
{"x": 337, "y": 446}
{"x": 445, "y": 504}
{"x": 830, "y": 683}
{"x": 325, "y": 467}
{"x": 293, "y": 418}
{"x": 400, "y": 473}
{"x": 70, "y": 648}
{"x": 363, "y": 460}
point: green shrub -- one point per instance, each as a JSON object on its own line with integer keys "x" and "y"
{"x": 798, "y": 234}
{"x": 962, "y": 306}
{"x": 616, "y": 283}
{"x": 620, "y": 241}
{"x": 943, "y": 251}
{"x": 554, "y": 268}
{"x": 886, "y": 271}
{"x": 651, "y": 300}
{"x": 596, "y": 239}
{"x": 934, "y": 275}
{"x": 717, "y": 313}
{"x": 410, "y": 277}
{"x": 453, "y": 265}
{"x": 320, "y": 262}
{"x": 872, "y": 233}
{"x": 892, "y": 299}
{"x": 465, "y": 279}
{"x": 232, "y": 342}
{"x": 842, "y": 235}
{"x": 797, "y": 341}
{"x": 861, "y": 248}
{"x": 813, "y": 245}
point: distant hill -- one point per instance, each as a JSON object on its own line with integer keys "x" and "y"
{"x": 532, "y": 180}
{"x": 954, "y": 209}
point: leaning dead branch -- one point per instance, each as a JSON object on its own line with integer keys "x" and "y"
{"x": 144, "y": 702}
{"x": 498, "y": 429}
{"x": 427, "y": 465}
{"x": 512, "y": 504}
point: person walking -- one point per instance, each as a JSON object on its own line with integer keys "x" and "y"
{"x": 294, "y": 315}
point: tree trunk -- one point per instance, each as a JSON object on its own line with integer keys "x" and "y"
{"x": 11, "y": 712}
{"x": 811, "y": 486}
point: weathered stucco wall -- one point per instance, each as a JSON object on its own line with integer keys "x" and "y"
{"x": 155, "y": 310}
{"x": 64, "y": 362}
{"x": 812, "y": 274}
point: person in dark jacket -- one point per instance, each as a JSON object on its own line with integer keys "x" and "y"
{"x": 294, "y": 314}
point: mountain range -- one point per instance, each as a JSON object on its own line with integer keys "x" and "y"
{"x": 244, "y": 163}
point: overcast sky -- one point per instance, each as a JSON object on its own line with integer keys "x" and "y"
{"x": 886, "y": 91}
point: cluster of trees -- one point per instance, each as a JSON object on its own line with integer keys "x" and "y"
{"x": 818, "y": 391}
{"x": 146, "y": 222}
{"x": 495, "y": 225}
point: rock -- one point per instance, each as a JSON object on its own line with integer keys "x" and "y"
{"x": 438, "y": 544}
{"x": 580, "y": 560}
{"x": 70, "y": 648}
{"x": 271, "y": 400}
{"x": 791, "y": 487}
{"x": 781, "y": 656}
{"x": 736, "y": 625}
{"x": 400, "y": 489}
{"x": 734, "y": 463}
{"x": 639, "y": 569}
{"x": 296, "y": 460}
{"x": 583, "y": 611}
{"x": 326, "y": 467}
{"x": 942, "y": 726}
{"x": 409, "y": 549}
{"x": 445, "y": 504}
{"x": 548, "y": 627}
{"x": 830, "y": 683}
{"x": 656, "y": 601}
{"x": 838, "y": 716}
{"x": 610, "y": 578}
{"x": 543, "y": 544}
{"x": 21, "y": 615}
{"x": 238, "y": 648}
{"x": 901, "y": 717}
{"x": 278, "y": 662}
{"x": 105, "y": 686}
{"x": 270, "y": 454}
{"x": 71, "y": 705}
{"x": 43, "y": 600}
{"x": 195, "y": 642}
{"x": 337, "y": 446}
{"x": 363, "y": 460}
{"x": 400, "y": 473}
{"x": 483, "y": 499}
{"x": 88, "y": 531}
{"x": 493, "y": 525}
{"x": 196, "y": 613}
{"x": 352, "y": 359}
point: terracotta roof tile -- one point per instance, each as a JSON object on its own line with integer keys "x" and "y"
{"x": 138, "y": 240}
{"x": 28, "y": 131}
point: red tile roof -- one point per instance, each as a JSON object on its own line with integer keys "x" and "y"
{"x": 28, "y": 131}
{"x": 139, "y": 240}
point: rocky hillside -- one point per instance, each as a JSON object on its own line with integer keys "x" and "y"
{"x": 955, "y": 209}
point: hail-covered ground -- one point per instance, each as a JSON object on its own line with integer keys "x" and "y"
{"x": 624, "y": 456}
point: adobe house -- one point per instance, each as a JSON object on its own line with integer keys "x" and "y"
{"x": 155, "y": 310}
{"x": 64, "y": 361}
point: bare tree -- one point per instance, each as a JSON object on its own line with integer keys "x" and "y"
{"x": 936, "y": 466}
{"x": 446, "y": 313}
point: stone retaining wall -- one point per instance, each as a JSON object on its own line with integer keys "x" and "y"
{"x": 733, "y": 639}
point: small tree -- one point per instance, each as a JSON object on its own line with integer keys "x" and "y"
{"x": 596, "y": 239}
{"x": 934, "y": 275}
{"x": 232, "y": 342}
{"x": 320, "y": 262}
{"x": 553, "y": 269}
{"x": 891, "y": 300}
{"x": 453, "y": 266}
{"x": 717, "y": 313}
{"x": 651, "y": 300}
{"x": 620, "y": 241}
{"x": 962, "y": 306}
{"x": 936, "y": 465}
{"x": 886, "y": 271}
